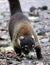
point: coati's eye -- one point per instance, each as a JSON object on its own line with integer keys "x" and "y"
{"x": 26, "y": 46}
{"x": 33, "y": 45}
{"x": 22, "y": 47}
{"x": 26, "y": 49}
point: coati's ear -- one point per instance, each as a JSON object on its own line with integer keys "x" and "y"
{"x": 21, "y": 37}
{"x": 32, "y": 36}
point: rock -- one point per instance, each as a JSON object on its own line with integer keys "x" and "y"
{"x": 44, "y": 39}
{"x": 44, "y": 8}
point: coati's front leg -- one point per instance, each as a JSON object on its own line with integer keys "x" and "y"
{"x": 17, "y": 50}
{"x": 38, "y": 52}
{"x": 37, "y": 46}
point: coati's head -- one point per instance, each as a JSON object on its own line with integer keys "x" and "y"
{"x": 27, "y": 43}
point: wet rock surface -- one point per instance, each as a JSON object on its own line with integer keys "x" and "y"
{"x": 41, "y": 27}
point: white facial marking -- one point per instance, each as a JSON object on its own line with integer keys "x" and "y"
{"x": 32, "y": 45}
{"x": 26, "y": 46}
{"x": 32, "y": 36}
{"x": 31, "y": 54}
{"x": 18, "y": 41}
{"x": 22, "y": 47}
{"x": 25, "y": 49}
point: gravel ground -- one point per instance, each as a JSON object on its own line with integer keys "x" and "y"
{"x": 5, "y": 39}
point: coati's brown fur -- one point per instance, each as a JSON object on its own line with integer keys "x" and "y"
{"x": 20, "y": 25}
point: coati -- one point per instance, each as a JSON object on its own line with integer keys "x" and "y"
{"x": 21, "y": 31}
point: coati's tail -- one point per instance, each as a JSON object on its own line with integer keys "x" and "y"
{"x": 14, "y": 6}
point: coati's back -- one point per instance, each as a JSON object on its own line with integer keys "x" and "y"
{"x": 20, "y": 24}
